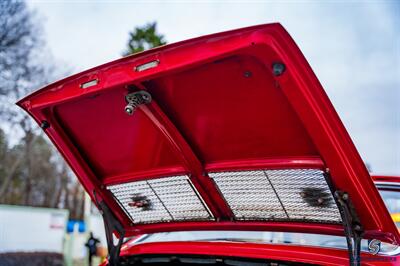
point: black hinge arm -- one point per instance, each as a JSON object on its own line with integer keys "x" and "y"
{"x": 352, "y": 226}
{"x": 111, "y": 225}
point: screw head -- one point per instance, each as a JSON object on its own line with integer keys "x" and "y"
{"x": 278, "y": 69}
{"x": 247, "y": 74}
{"x": 327, "y": 170}
{"x": 345, "y": 196}
{"x": 44, "y": 124}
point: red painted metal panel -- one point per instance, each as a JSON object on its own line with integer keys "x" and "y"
{"x": 300, "y": 254}
{"x": 217, "y": 105}
{"x": 386, "y": 178}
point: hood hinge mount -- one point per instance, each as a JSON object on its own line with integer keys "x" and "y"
{"x": 352, "y": 226}
{"x": 111, "y": 225}
{"x": 351, "y": 223}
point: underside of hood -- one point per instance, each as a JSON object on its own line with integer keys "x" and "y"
{"x": 229, "y": 131}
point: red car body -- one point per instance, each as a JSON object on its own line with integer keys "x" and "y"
{"x": 386, "y": 178}
{"x": 264, "y": 252}
{"x": 236, "y": 101}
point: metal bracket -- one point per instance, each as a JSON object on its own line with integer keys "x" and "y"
{"x": 111, "y": 225}
{"x": 135, "y": 99}
{"x": 352, "y": 226}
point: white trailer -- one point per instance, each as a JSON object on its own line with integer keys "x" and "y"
{"x": 31, "y": 229}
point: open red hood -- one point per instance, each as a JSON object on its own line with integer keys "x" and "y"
{"x": 226, "y": 131}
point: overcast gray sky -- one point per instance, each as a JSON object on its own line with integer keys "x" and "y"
{"x": 354, "y": 48}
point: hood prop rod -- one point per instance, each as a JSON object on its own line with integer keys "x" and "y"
{"x": 352, "y": 226}
{"x": 111, "y": 225}
{"x": 351, "y": 223}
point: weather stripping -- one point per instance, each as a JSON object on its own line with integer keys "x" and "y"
{"x": 292, "y": 194}
{"x": 161, "y": 200}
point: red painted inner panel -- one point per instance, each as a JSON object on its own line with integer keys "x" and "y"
{"x": 113, "y": 142}
{"x": 231, "y": 109}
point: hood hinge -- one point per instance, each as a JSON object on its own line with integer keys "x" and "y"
{"x": 352, "y": 226}
{"x": 112, "y": 225}
{"x": 351, "y": 223}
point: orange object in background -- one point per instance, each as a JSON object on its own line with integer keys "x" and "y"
{"x": 101, "y": 252}
{"x": 395, "y": 217}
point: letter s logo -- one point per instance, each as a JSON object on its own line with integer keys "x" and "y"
{"x": 374, "y": 246}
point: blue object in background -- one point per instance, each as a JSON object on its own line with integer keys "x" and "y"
{"x": 76, "y": 223}
{"x": 82, "y": 227}
{"x": 70, "y": 226}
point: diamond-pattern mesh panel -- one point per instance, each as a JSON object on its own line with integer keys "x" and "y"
{"x": 161, "y": 200}
{"x": 292, "y": 194}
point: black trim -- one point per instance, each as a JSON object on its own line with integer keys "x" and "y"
{"x": 389, "y": 187}
{"x": 201, "y": 260}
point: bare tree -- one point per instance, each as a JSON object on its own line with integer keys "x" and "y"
{"x": 31, "y": 172}
{"x": 20, "y": 73}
